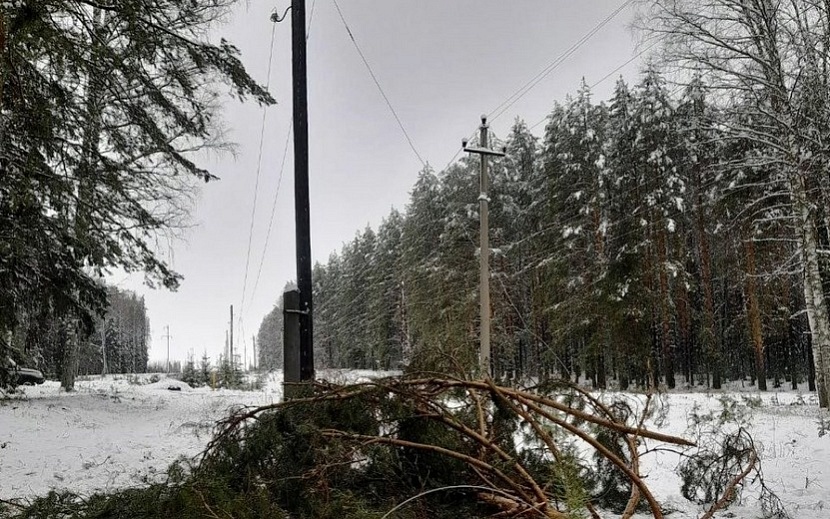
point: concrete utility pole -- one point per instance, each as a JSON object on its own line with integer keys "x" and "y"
{"x": 484, "y": 253}
{"x": 167, "y": 335}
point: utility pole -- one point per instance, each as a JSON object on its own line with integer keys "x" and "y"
{"x": 167, "y": 335}
{"x": 230, "y": 342}
{"x": 253, "y": 346}
{"x": 104, "y": 344}
{"x": 301, "y": 199}
{"x": 484, "y": 235}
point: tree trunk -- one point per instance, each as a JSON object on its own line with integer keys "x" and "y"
{"x": 709, "y": 337}
{"x": 753, "y": 314}
{"x": 70, "y": 350}
{"x": 665, "y": 314}
{"x": 816, "y": 304}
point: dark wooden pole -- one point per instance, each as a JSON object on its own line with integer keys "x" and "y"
{"x": 301, "y": 202}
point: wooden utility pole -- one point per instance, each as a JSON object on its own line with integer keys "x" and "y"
{"x": 104, "y": 342}
{"x": 301, "y": 197}
{"x": 230, "y": 342}
{"x": 484, "y": 234}
{"x": 167, "y": 335}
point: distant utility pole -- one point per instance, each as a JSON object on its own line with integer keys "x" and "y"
{"x": 484, "y": 253}
{"x": 104, "y": 344}
{"x": 167, "y": 335}
{"x": 253, "y": 346}
{"x": 230, "y": 342}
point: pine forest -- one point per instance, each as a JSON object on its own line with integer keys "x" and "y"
{"x": 638, "y": 241}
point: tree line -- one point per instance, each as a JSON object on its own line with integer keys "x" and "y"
{"x": 668, "y": 233}
{"x": 635, "y": 241}
{"x": 118, "y": 341}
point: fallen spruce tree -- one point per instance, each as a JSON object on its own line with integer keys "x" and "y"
{"x": 413, "y": 448}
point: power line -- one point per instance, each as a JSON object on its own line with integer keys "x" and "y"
{"x": 521, "y": 92}
{"x": 377, "y": 83}
{"x": 273, "y": 210}
{"x": 258, "y": 168}
{"x": 545, "y": 72}
{"x": 607, "y": 76}
{"x": 279, "y": 179}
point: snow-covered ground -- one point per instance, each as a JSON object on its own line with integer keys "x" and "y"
{"x": 118, "y": 431}
{"x": 785, "y": 427}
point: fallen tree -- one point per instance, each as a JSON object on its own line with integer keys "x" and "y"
{"x": 414, "y": 448}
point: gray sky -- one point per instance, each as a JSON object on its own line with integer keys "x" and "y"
{"x": 442, "y": 63}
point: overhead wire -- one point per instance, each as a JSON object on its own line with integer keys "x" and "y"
{"x": 273, "y": 210}
{"x": 377, "y": 84}
{"x": 279, "y": 177}
{"x": 277, "y": 191}
{"x": 258, "y": 167}
{"x": 608, "y": 76}
{"x": 524, "y": 89}
{"x": 545, "y": 72}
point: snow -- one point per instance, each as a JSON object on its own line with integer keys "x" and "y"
{"x": 795, "y": 459}
{"x": 119, "y": 431}
{"x": 115, "y": 431}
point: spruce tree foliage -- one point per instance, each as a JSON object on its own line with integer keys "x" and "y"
{"x": 102, "y": 107}
{"x": 621, "y": 242}
{"x": 204, "y": 373}
{"x": 269, "y": 339}
{"x": 189, "y": 374}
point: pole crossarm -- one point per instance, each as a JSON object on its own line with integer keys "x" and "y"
{"x": 484, "y": 151}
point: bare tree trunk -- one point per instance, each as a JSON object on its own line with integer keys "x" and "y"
{"x": 753, "y": 314}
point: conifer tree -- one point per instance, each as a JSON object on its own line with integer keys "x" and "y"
{"x": 103, "y": 106}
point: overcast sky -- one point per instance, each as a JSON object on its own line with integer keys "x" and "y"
{"x": 442, "y": 63}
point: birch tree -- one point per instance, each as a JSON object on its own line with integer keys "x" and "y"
{"x": 775, "y": 55}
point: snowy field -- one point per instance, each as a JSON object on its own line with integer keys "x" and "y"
{"x": 116, "y": 432}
